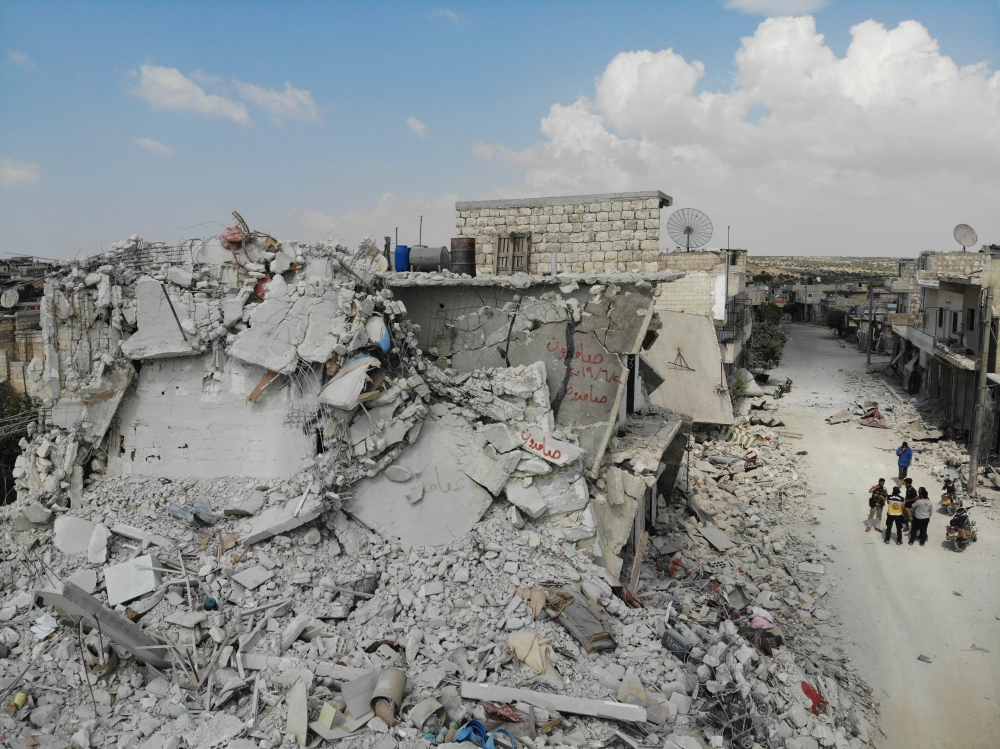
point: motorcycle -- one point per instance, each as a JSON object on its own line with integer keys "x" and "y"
{"x": 951, "y": 500}
{"x": 961, "y": 530}
{"x": 783, "y": 388}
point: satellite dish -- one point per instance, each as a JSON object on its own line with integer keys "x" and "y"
{"x": 9, "y": 298}
{"x": 689, "y": 228}
{"x": 965, "y": 235}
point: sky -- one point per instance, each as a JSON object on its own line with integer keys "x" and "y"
{"x": 806, "y": 127}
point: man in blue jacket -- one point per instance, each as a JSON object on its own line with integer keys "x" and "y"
{"x": 905, "y": 454}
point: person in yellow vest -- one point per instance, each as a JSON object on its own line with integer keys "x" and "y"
{"x": 894, "y": 514}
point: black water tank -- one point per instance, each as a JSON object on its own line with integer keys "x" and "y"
{"x": 463, "y": 255}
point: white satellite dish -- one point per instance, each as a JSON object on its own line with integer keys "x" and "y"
{"x": 965, "y": 235}
{"x": 9, "y": 298}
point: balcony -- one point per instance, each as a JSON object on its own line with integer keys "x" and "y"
{"x": 738, "y": 311}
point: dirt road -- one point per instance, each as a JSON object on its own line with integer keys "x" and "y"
{"x": 898, "y": 602}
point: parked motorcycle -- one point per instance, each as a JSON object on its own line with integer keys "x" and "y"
{"x": 951, "y": 500}
{"x": 961, "y": 530}
{"x": 783, "y": 388}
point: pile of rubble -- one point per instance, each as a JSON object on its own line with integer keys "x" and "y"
{"x": 375, "y": 592}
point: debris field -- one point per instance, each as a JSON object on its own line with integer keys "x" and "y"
{"x": 256, "y": 514}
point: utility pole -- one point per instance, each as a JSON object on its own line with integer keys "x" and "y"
{"x": 871, "y": 319}
{"x": 982, "y": 390}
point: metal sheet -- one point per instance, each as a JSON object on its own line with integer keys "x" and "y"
{"x": 686, "y": 354}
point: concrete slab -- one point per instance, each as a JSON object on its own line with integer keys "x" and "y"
{"x": 297, "y": 723}
{"x": 133, "y": 579}
{"x": 253, "y": 577}
{"x": 565, "y": 491}
{"x": 716, "y": 537}
{"x": 97, "y": 549}
{"x": 526, "y": 498}
{"x": 451, "y": 504}
{"x": 686, "y": 355}
{"x": 86, "y": 580}
{"x": 72, "y": 535}
{"x": 143, "y": 646}
{"x": 283, "y": 518}
{"x": 159, "y": 334}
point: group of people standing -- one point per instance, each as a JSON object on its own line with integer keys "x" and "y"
{"x": 907, "y": 508}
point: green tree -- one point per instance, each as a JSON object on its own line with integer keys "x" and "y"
{"x": 766, "y": 344}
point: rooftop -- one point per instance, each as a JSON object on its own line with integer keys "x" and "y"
{"x": 467, "y": 205}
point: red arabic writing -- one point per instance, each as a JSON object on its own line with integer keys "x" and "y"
{"x": 539, "y": 447}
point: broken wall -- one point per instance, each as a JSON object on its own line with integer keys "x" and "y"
{"x": 686, "y": 354}
{"x": 581, "y": 345}
{"x": 187, "y": 417}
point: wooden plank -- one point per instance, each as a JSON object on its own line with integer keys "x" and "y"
{"x": 640, "y": 551}
{"x": 558, "y": 702}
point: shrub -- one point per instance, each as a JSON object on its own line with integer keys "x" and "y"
{"x": 766, "y": 344}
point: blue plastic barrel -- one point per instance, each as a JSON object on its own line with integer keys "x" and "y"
{"x": 402, "y": 258}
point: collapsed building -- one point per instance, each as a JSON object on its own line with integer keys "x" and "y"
{"x": 272, "y": 473}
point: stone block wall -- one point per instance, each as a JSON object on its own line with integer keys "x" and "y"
{"x": 613, "y": 233}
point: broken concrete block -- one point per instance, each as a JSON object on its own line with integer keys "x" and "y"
{"x": 451, "y": 502}
{"x": 717, "y": 538}
{"x": 555, "y": 702}
{"x": 817, "y": 569}
{"x": 431, "y": 588}
{"x": 143, "y": 646}
{"x": 133, "y": 579}
{"x": 85, "y": 579}
{"x": 97, "y": 549}
{"x": 180, "y": 276}
{"x": 526, "y": 498}
{"x": 72, "y": 535}
{"x": 358, "y": 693}
{"x": 36, "y": 514}
{"x": 297, "y": 724}
{"x": 186, "y": 619}
{"x": 159, "y": 333}
{"x": 285, "y": 517}
{"x": 253, "y": 577}
{"x": 292, "y": 631}
{"x": 247, "y": 506}
{"x": 565, "y": 491}
{"x": 548, "y": 447}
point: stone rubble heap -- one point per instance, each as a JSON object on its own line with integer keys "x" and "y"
{"x": 213, "y": 612}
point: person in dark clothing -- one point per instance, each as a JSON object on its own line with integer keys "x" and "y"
{"x": 922, "y": 510}
{"x": 894, "y": 515}
{"x": 904, "y": 453}
{"x": 909, "y": 496}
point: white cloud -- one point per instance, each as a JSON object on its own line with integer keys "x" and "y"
{"x": 416, "y": 126}
{"x": 445, "y": 13}
{"x": 381, "y": 221}
{"x": 17, "y": 173}
{"x": 777, "y": 7}
{"x": 290, "y": 104}
{"x": 153, "y": 146}
{"x": 881, "y": 151}
{"x": 21, "y": 59}
{"x": 168, "y": 88}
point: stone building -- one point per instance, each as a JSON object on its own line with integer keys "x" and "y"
{"x": 609, "y": 233}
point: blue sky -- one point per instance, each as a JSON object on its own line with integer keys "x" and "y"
{"x": 392, "y": 110}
